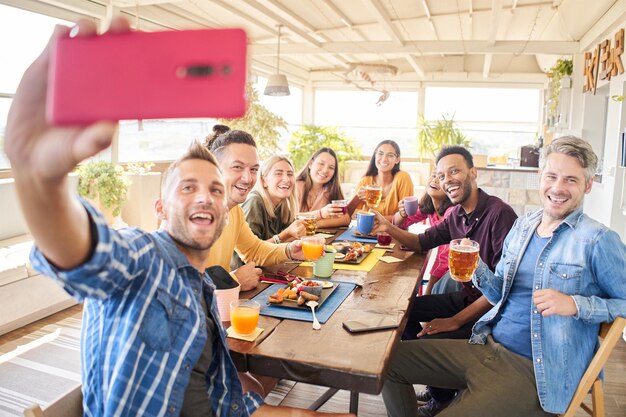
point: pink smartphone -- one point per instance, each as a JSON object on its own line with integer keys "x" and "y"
{"x": 148, "y": 75}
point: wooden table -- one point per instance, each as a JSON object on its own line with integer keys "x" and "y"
{"x": 332, "y": 356}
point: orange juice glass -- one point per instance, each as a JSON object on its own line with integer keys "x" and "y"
{"x": 313, "y": 247}
{"x": 244, "y": 316}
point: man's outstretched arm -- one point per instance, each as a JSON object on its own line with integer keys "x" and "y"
{"x": 41, "y": 157}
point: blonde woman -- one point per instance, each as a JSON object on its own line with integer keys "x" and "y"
{"x": 270, "y": 208}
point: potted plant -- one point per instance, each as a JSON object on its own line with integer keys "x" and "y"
{"x": 103, "y": 183}
{"x": 558, "y": 77}
{"x": 306, "y": 141}
{"x": 433, "y": 135}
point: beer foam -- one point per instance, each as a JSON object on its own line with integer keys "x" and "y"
{"x": 465, "y": 248}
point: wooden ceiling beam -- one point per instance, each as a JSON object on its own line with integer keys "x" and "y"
{"x": 385, "y": 21}
{"x": 425, "y": 48}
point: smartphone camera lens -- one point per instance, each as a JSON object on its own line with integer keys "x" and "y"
{"x": 198, "y": 71}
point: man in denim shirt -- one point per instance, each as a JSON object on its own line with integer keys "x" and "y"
{"x": 152, "y": 343}
{"x": 560, "y": 276}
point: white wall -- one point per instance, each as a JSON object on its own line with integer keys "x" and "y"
{"x": 600, "y": 120}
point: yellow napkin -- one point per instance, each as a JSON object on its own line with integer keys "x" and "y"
{"x": 230, "y": 332}
{"x": 366, "y": 264}
{"x": 390, "y": 259}
{"x": 389, "y": 246}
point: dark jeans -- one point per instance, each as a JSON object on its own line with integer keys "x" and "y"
{"x": 438, "y": 306}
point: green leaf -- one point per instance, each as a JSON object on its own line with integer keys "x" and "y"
{"x": 105, "y": 181}
{"x": 433, "y": 135}
{"x": 305, "y": 142}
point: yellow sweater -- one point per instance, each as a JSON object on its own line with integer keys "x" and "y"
{"x": 238, "y": 237}
{"x": 401, "y": 187}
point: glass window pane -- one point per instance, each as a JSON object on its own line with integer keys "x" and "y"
{"x": 483, "y": 104}
{"x": 497, "y": 120}
{"x": 288, "y": 107}
{"x": 358, "y": 109}
{"x": 32, "y": 30}
{"x": 357, "y": 114}
{"x": 160, "y": 140}
{"x": 5, "y": 103}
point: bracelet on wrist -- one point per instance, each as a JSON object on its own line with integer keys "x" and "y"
{"x": 276, "y": 239}
{"x": 321, "y": 215}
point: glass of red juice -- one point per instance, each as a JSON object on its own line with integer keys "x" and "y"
{"x": 384, "y": 239}
{"x": 343, "y": 204}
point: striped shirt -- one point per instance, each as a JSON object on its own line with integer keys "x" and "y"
{"x": 144, "y": 327}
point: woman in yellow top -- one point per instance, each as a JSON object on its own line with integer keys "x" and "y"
{"x": 384, "y": 171}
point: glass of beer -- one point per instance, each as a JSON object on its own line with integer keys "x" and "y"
{"x": 463, "y": 259}
{"x": 309, "y": 221}
{"x": 373, "y": 195}
{"x": 244, "y": 316}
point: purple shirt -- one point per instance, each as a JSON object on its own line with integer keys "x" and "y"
{"x": 488, "y": 225}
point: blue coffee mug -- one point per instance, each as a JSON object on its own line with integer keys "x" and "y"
{"x": 364, "y": 222}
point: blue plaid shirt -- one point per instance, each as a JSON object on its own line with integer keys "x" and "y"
{"x": 144, "y": 327}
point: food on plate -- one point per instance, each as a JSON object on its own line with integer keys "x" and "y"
{"x": 344, "y": 247}
{"x": 356, "y": 250}
{"x": 341, "y": 247}
{"x": 309, "y": 297}
{"x": 340, "y": 255}
{"x": 297, "y": 289}
{"x": 277, "y": 298}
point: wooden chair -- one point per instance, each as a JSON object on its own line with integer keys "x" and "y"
{"x": 69, "y": 404}
{"x": 610, "y": 333}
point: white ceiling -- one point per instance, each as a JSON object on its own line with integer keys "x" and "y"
{"x": 443, "y": 41}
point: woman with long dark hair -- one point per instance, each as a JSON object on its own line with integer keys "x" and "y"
{"x": 318, "y": 185}
{"x": 384, "y": 171}
{"x": 433, "y": 207}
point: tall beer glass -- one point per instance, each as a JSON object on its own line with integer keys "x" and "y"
{"x": 463, "y": 259}
{"x": 309, "y": 221}
{"x": 373, "y": 195}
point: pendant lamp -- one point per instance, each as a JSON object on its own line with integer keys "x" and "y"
{"x": 277, "y": 83}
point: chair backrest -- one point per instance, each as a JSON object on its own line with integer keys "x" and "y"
{"x": 610, "y": 333}
{"x": 69, "y": 404}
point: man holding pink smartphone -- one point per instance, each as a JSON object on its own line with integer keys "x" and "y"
{"x": 151, "y": 343}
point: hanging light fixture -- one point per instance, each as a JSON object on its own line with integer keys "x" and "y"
{"x": 277, "y": 83}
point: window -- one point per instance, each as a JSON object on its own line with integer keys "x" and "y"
{"x": 160, "y": 140}
{"x": 33, "y": 31}
{"x": 165, "y": 140}
{"x": 357, "y": 114}
{"x": 288, "y": 107}
{"x": 498, "y": 120}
